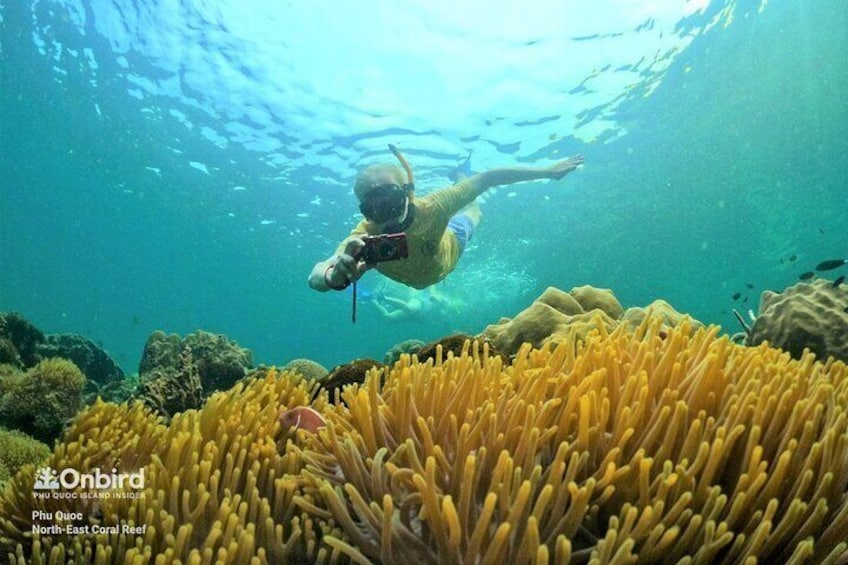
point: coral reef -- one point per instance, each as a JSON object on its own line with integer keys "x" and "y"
{"x": 23, "y": 346}
{"x": 19, "y": 340}
{"x": 408, "y": 346}
{"x": 41, "y": 399}
{"x": 115, "y": 391}
{"x": 7, "y": 370}
{"x": 220, "y": 362}
{"x": 170, "y": 391}
{"x": 633, "y": 317}
{"x": 18, "y": 449}
{"x": 621, "y": 447}
{"x": 308, "y": 369}
{"x": 551, "y": 318}
{"x": 805, "y": 316}
{"x": 591, "y": 298}
{"x": 455, "y": 343}
{"x": 92, "y": 360}
{"x": 8, "y": 353}
{"x": 176, "y": 374}
{"x": 161, "y": 354}
{"x": 556, "y": 315}
{"x": 350, "y": 373}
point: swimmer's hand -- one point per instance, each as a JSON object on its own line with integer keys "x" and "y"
{"x": 347, "y": 267}
{"x": 562, "y": 168}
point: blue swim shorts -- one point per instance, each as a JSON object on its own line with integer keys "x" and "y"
{"x": 463, "y": 227}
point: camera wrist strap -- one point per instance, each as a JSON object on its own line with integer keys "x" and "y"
{"x": 353, "y": 314}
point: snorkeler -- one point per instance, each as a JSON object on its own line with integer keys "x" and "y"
{"x": 437, "y": 226}
{"x": 431, "y": 305}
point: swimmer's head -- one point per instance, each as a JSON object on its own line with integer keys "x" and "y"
{"x": 376, "y": 176}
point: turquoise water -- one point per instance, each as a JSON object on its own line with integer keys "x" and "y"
{"x": 183, "y": 167}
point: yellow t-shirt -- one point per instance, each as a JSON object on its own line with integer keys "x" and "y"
{"x": 433, "y": 249}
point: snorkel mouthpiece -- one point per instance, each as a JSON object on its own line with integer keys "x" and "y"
{"x": 396, "y": 152}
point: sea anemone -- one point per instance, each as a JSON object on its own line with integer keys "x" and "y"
{"x": 625, "y": 448}
{"x": 621, "y": 448}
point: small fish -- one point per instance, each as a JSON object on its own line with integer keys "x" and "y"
{"x": 750, "y": 286}
{"x": 807, "y": 276}
{"x": 839, "y": 281}
{"x": 199, "y": 166}
{"x": 302, "y": 418}
{"x": 791, "y": 259}
{"x": 737, "y": 295}
{"x": 831, "y": 264}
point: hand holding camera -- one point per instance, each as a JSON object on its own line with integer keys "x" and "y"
{"x": 363, "y": 253}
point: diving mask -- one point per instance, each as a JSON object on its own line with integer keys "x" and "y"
{"x": 384, "y": 203}
{"x": 388, "y": 201}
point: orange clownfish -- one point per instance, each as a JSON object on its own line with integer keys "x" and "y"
{"x": 302, "y": 418}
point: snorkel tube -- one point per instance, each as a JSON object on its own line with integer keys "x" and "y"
{"x": 396, "y": 152}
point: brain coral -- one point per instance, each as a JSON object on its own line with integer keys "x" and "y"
{"x": 625, "y": 448}
{"x": 307, "y": 368}
{"x": 550, "y": 318}
{"x": 556, "y": 314}
{"x": 807, "y": 315}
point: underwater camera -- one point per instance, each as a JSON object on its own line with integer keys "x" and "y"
{"x": 384, "y": 247}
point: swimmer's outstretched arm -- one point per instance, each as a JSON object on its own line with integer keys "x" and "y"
{"x": 509, "y": 175}
{"x": 343, "y": 268}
